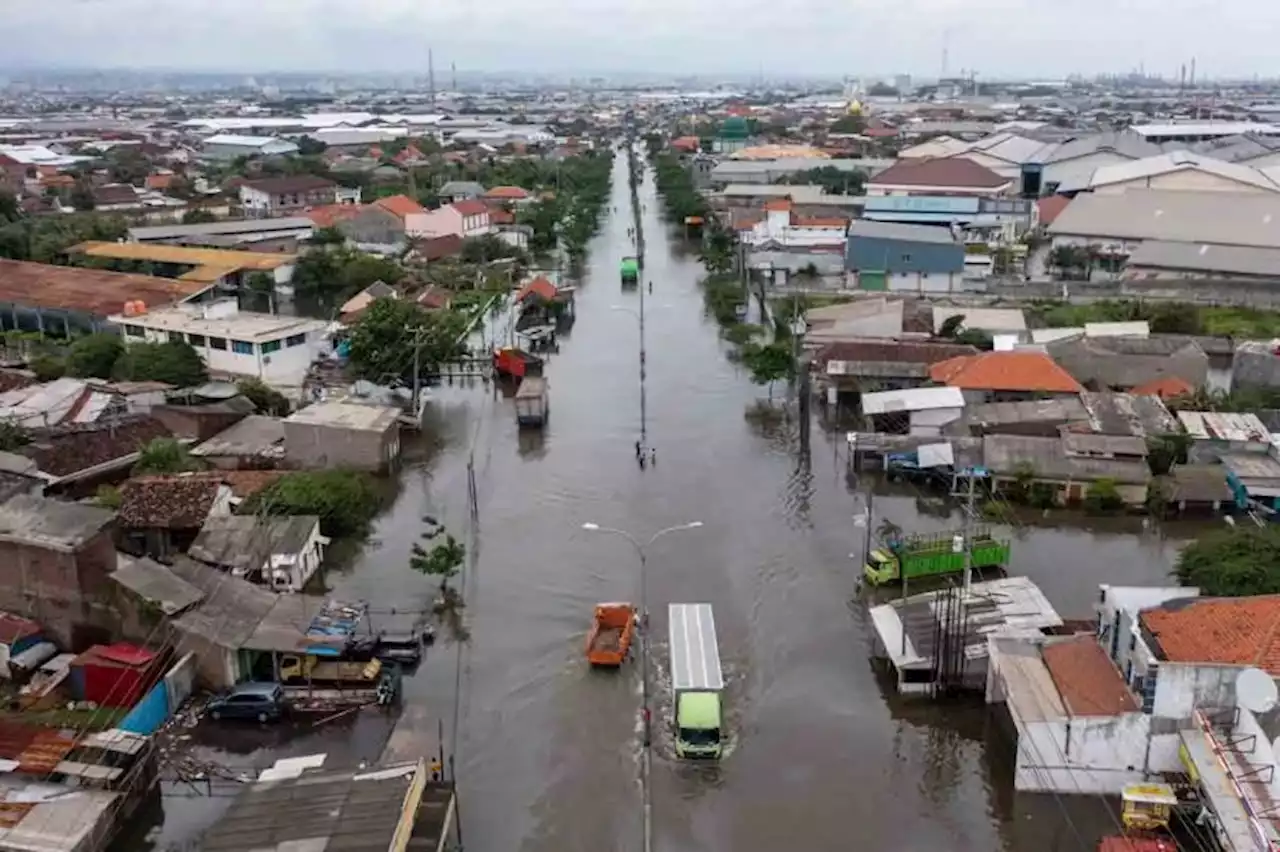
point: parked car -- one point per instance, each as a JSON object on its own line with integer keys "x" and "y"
{"x": 261, "y": 701}
{"x": 401, "y": 647}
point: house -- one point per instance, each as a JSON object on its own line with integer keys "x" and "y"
{"x": 1214, "y": 435}
{"x": 783, "y": 228}
{"x": 850, "y": 367}
{"x": 58, "y": 558}
{"x": 435, "y": 298}
{"x": 281, "y": 553}
{"x": 275, "y": 348}
{"x": 864, "y": 318}
{"x": 507, "y": 196}
{"x": 940, "y": 176}
{"x": 282, "y": 196}
{"x": 209, "y": 268}
{"x": 1045, "y": 418}
{"x": 162, "y": 515}
{"x": 922, "y": 412}
{"x": 69, "y": 298}
{"x": 1077, "y": 159}
{"x": 460, "y": 190}
{"x": 231, "y": 146}
{"x": 428, "y": 249}
{"x": 1069, "y": 465}
{"x": 114, "y": 197}
{"x": 465, "y": 219}
{"x": 1077, "y": 725}
{"x": 1178, "y": 171}
{"x": 978, "y": 217}
{"x": 1120, "y": 223}
{"x": 355, "y": 306}
{"x": 343, "y": 434}
{"x": 78, "y": 456}
{"x": 115, "y": 675}
{"x": 284, "y": 232}
{"x": 1129, "y": 363}
{"x": 1001, "y": 376}
{"x": 900, "y": 258}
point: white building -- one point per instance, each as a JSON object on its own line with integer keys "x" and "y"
{"x": 927, "y": 410}
{"x": 784, "y": 228}
{"x": 231, "y": 146}
{"x": 466, "y": 219}
{"x": 276, "y": 349}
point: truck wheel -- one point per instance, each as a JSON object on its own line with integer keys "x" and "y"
{"x": 262, "y": 718}
{"x": 216, "y": 715}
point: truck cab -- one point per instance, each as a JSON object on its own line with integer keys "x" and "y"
{"x": 696, "y": 681}
{"x": 698, "y": 733}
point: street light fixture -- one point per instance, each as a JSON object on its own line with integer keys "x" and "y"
{"x": 642, "y": 551}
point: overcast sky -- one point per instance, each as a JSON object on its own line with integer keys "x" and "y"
{"x": 1025, "y": 38}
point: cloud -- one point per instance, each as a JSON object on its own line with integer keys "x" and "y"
{"x": 995, "y": 37}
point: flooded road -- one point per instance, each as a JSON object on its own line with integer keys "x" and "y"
{"x": 821, "y": 755}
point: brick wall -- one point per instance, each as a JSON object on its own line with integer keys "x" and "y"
{"x": 69, "y": 594}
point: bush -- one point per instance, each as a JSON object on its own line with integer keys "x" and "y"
{"x": 267, "y": 400}
{"x": 345, "y": 501}
{"x": 95, "y": 356}
{"x": 173, "y": 362}
{"x": 1103, "y": 496}
{"x": 47, "y": 368}
{"x": 1233, "y": 561}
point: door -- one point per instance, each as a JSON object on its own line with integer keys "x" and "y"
{"x": 868, "y": 280}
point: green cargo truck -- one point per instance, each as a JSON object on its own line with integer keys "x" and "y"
{"x": 630, "y": 270}
{"x": 933, "y": 555}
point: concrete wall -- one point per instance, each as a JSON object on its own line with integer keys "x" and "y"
{"x": 313, "y": 445}
{"x": 69, "y": 594}
{"x": 1082, "y": 754}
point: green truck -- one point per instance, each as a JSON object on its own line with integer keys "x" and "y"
{"x": 933, "y": 555}
{"x": 630, "y": 270}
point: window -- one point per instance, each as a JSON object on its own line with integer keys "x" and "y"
{"x": 270, "y": 346}
{"x": 240, "y": 347}
{"x": 176, "y": 337}
{"x": 218, "y": 343}
{"x": 134, "y": 331}
{"x": 295, "y": 340}
{"x": 906, "y": 258}
{"x": 195, "y": 339}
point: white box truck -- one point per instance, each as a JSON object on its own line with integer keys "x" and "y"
{"x": 696, "y": 681}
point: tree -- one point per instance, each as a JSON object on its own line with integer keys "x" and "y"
{"x": 267, "y": 400}
{"x": 8, "y": 207}
{"x": 82, "y": 197}
{"x": 769, "y": 363}
{"x": 13, "y": 437}
{"x": 164, "y": 455}
{"x": 198, "y": 216}
{"x": 1103, "y": 496}
{"x": 344, "y": 500}
{"x": 1234, "y": 561}
{"x": 849, "y": 124}
{"x": 47, "y": 368}
{"x": 383, "y": 340}
{"x": 443, "y": 560}
{"x": 951, "y": 327}
{"x": 173, "y": 362}
{"x": 307, "y": 146}
{"x": 94, "y": 356}
{"x": 1164, "y": 451}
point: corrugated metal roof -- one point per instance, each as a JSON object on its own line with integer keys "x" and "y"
{"x": 1216, "y": 426}
{"x": 912, "y": 399}
{"x": 1206, "y": 257}
{"x": 1224, "y": 218}
{"x": 159, "y": 253}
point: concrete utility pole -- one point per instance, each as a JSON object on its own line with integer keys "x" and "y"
{"x": 642, "y": 550}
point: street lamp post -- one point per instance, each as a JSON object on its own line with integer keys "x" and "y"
{"x": 639, "y": 315}
{"x": 642, "y": 551}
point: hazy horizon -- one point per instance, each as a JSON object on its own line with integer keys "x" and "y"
{"x": 1009, "y": 39}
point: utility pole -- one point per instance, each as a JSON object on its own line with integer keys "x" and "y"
{"x": 431, "y": 76}
{"x": 417, "y": 373}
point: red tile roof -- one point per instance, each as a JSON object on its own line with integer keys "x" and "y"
{"x": 688, "y": 144}
{"x": 290, "y": 184}
{"x": 1049, "y": 208}
{"x": 819, "y": 221}
{"x": 435, "y": 298}
{"x": 949, "y": 172}
{"x": 540, "y": 287}
{"x": 167, "y": 502}
{"x": 436, "y": 248}
{"x": 332, "y": 214}
{"x": 1227, "y": 631}
{"x": 502, "y": 217}
{"x": 508, "y": 193}
{"x": 777, "y": 205}
{"x": 1005, "y": 371}
{"x": 1087, "y": 680}
{"x": 1165, "y": 387}
{"x": 471, "y": 207}
{"x": 900, "y": 352}
{"x": 399, "y": 206}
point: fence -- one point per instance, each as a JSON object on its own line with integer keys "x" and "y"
{"x": 155, "y": 708}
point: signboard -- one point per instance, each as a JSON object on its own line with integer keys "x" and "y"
{"x": 1184, "y": 757}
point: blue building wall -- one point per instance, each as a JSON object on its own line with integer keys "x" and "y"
{"x": 875, "y": 254}
{"x": 149, "y": 714}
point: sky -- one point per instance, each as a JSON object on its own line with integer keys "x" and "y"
{"x": 1040, "y": 39}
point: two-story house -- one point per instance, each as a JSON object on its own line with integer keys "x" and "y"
{"x": 465, "y": 219}
{"x": 286, "y": 195}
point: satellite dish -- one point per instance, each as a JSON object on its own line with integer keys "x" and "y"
{"x": 1256, "y": 691}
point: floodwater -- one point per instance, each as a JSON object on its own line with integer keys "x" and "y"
{"x": 823, "y": 756}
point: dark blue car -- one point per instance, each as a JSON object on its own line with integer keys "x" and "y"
{"x": 261, "y": 701}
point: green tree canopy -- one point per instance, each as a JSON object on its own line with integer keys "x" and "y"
{"x": 444, "y": 559}
{"x": 165, "y": 455}
{"x": 172, "y": 362}
{"x": 95, "y": 356}
{"x": 266, "y": 399}
{"x": 1233, "y": 561}
{"x": 344, "y": 500}
{"x": 768, "y": 363}
{"x": 384, "y": 338}
{"x": 198, "y": 216}
{"x": 336, "y": 273}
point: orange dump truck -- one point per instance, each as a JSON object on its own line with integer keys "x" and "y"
{"x": 611, "y": 632}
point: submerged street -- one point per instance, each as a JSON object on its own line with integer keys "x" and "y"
{"x": 820, "y": 753}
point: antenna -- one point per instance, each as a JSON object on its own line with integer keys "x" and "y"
{"x": 431, "y": 75}
{"x": 453, "y": 78}
{"x": 946, "y": 45}
{"x": 1256, "y": 691}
